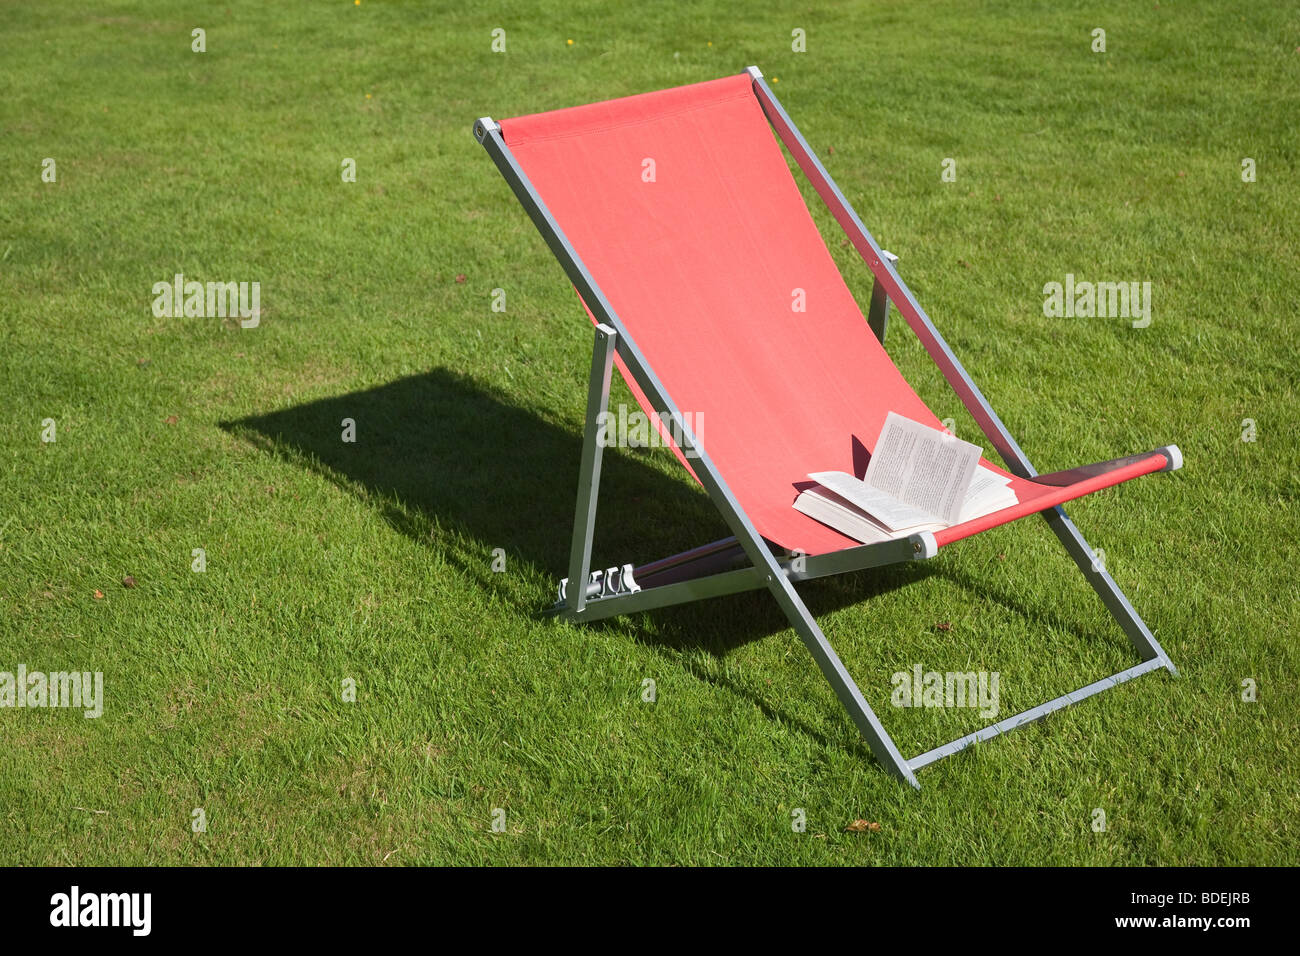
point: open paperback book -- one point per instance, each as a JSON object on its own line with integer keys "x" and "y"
{"x": 918, "y": 479}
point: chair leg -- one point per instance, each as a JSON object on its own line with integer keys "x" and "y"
{"x": 878, "y": 739}
{"x": 584, "y": 517}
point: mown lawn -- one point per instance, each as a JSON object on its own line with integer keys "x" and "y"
{"x": 373, "y": 561}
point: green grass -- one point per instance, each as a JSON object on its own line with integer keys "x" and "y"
{"x": 373, "y": 561}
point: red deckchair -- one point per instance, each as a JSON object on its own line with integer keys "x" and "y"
{"x": 676, "y": 217}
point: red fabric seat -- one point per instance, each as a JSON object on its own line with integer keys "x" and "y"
{"x": 703, "y": 265}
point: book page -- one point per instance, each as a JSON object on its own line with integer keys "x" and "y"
{"x": 885, "y": 508}
{"x": 988, "y": 492}
{"x": 986, "y": 483}
{"x": 923, "y": 467}
{"x": 841, "y": 514}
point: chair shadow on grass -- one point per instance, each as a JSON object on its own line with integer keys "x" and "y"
{"x": 440, "y": 452}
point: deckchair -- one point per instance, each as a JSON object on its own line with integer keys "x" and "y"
{"x": 677, "y": 219}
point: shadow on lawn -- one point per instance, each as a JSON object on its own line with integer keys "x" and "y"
{"x": 441, "y": 451}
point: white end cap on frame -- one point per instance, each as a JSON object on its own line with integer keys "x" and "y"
{"x": 924, "y": 545}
